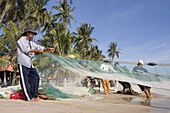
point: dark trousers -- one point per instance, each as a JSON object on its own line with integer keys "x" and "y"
{"x": 29, "y": 81}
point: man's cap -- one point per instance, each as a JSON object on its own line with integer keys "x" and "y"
{"x": 141, "y": 62}
{"x": 29, "y": 29}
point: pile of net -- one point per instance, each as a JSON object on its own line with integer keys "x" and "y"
{"x": 69, "y": 75}
{"x": 52, "y": 93}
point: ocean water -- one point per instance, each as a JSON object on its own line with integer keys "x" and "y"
{"x": 162, "y": 103}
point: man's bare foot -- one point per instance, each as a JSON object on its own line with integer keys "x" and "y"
{"x": 135, "y": 93}
{"x": 150, "y": 96}
{"x": 32, "y": 100}
{"x": 37, "y": 99}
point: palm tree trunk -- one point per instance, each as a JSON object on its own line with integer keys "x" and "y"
{"x": 60, "y": 47}
{"x": 5, "y": 82}
{"x": 64, "y": 22}
{"x": 4, "y": 11}
{"x": 13, "y": 78}
{"x": 113, "y": 56}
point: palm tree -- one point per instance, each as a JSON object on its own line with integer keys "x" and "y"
{"x": 3, "y": 48}
{"x": 41, "y": 14}
{"x": 37, "y": 15}
{"x": 62, "y": 41}
{"x": 46, "y": 66}
{"x": 58, "y": 38}
{"x": 46, "y": 41}
{"x": 30, "y": 12}
{"x": 49, "y": 26}
{"x": 64, "y": 14}
{"x": 11, "y": 10}
{"x": 4, "y": 62}
{"x": 112, "y": 51}
{"x": 6, "y": 6}
{"x": 96, "y": 53}
{"x": 82, "y": 38}
{"x": 12, "y": 33}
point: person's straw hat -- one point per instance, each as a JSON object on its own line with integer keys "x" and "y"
{"x": 141, "y": 62}
{"x": 29, "y": 29}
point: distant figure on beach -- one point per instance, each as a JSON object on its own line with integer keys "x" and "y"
{"x": 139, "y": 71}
{"x": 106, "y": 84}
{"x": 29, "y": 76}
{"x": 123, "y": 83}
{"x": 88, "y": 82}
{"x": 92, "y": 82}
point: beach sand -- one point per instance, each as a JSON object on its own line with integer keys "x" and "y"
{"x": 100, "y": 103}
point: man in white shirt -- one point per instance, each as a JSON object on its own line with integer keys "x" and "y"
{"x": 29, "y": 76}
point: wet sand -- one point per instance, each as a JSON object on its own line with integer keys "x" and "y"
{"x": 100, "y": 103}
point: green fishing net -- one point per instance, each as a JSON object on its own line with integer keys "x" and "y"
{"x": 68, "y": 74}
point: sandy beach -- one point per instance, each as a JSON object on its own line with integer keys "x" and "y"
{"x": 100, "y": 103}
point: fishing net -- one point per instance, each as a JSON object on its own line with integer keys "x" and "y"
{"x": 69, "y": 74}
{"x": 52, "y": 93}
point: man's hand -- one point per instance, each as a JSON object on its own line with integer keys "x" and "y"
{"x": 51, "y": 49}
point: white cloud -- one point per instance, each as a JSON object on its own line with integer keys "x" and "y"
{"x": 118, "y": 16}
{"x": 159, "y": 46}
{"x": 139, "y": 7}
{"x": 133, "y": 54}
{"x": 127, "y": 13}
{"x": 161, "y": 57}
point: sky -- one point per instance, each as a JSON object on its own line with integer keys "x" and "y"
{"x": 141, "y": 28}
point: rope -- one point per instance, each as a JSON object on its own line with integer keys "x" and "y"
{"x": 160, "y": 64}
{"x": 42, "y": 93}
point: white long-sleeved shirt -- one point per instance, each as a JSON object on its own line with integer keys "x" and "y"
{"x": 24, "y": 56}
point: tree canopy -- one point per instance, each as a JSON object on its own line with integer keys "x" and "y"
{"x": 15, "y": 15}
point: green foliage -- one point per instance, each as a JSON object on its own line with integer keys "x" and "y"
{"x": 59, "y": 38}
{"x": 95, "y": 53}
{"x": 45, "y": 63}
{"x": 11, "y": 33}
{"x": 3, "y": 49}
{"x": 37, "y": 15}
{"x": 83, "y": 40}
{"x": 46, "y": 66}
{"x": 64, "y": 14}
{"x": 4, "y": 62}
{"x": 11, "y": 10}
{"x": 15, "y": 15}
{"x": 113, "y": 51}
